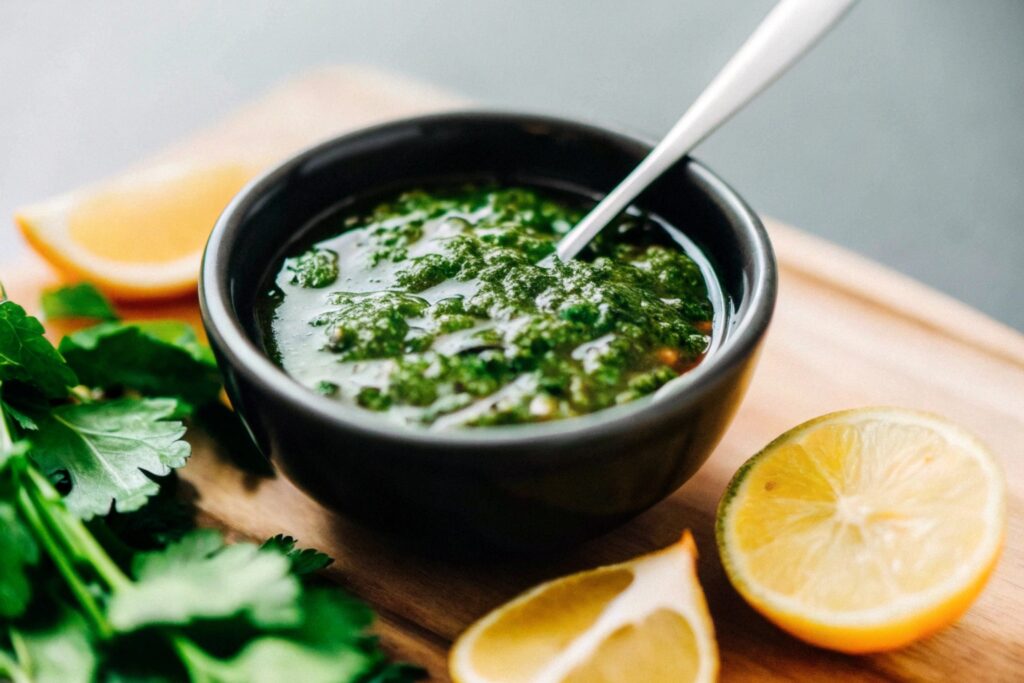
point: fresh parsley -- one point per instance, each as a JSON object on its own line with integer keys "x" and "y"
{"x": 103, "y": 576}
{"x": 77, "y": 301}
{"x": 304, "y": 560}
{"x": 154, "y": 358}
{"x": 198, "y": 577}
{"x": 328, "y": 643}
{"x": 56, "y": 648}
{"x": 20, "y": 417}
{"x": 27, "y": 358}
{"x": 106, "y": 448}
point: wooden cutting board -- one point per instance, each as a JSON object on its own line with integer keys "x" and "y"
{"x": 847, "y": 333}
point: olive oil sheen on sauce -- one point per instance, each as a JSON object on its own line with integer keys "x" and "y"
{"x": 446, "y": 308}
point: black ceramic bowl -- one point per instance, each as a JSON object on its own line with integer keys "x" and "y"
{"x": 521, "y": 486}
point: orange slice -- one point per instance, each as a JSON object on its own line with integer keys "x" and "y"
{"x": 864, "y": 530}
{"x": 140, "y": 236}
{"x": 642, "y": 620}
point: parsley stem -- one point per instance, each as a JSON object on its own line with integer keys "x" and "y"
{"x": 5, "y": 429}
{"x": 11, "y": 669}
{"x": 54, "y": 526}
{"x": 74, "y": 532}
{"x": 27, "y": 507}
{"x": 43, "y": 509}
{"x": 190, "y": 655}
{"x": 21, "y": 653}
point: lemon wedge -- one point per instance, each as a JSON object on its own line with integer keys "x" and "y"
{"x": 642, "y": 620}
{"x": 140, "y": 236}
{"x": 864, "y": 530}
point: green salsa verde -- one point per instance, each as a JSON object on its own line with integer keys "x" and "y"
{"x": 447, "y": 308}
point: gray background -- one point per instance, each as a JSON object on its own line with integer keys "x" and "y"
{"x": 901, "y": 136}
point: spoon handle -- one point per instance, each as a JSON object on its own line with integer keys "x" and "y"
{"x": 789, "y": 30}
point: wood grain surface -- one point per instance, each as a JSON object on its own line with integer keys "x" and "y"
{"x": 847, "y": 333}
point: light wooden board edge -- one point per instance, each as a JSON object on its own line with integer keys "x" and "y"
{"x": 841, "y": 268}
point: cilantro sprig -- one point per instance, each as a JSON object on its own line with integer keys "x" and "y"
{"x": 102, "y": 577}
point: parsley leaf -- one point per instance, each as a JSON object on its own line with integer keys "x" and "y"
{"x": 334, "y": 621}
{"x": 269, "y": 659}
{"x": 304, "y": 560}
{"x": 329, "y": 617}
{"x": 329, "y": 644}
{"x": 20, "y": 417}
{"x": 104, "y": 448}
{"x": 159, "y": 358}
{"x": 77, "y": 301}
{"x": 16, "y": 449}
{"x": 27, "y": 357}
{"x": 199, "y": 577}
{"x": 58, "y": 649}
{"x": 18, "y": 550}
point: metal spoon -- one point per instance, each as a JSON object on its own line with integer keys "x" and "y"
{"x": 789, "y": 30}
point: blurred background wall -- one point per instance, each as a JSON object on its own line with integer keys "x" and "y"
{"x": 902, "y": 136}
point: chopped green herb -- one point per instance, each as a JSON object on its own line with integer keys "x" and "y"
{"x": 449, "y": 313}
{"x": 372, "y": 398}
{"x": 315, "y": 268}
{"x": 326, "y": 388}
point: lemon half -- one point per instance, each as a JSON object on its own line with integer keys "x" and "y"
{"x": 864, "y": 530}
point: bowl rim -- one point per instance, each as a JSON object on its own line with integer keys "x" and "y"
{"x": 224, "y": 327}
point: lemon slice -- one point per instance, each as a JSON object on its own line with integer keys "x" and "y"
{"x": 642, "y": 620}
{"x": 138, "y": 237}
{"x": 864, "y": 530}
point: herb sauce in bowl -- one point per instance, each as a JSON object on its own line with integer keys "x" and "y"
{"x": 441, "y": 308}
